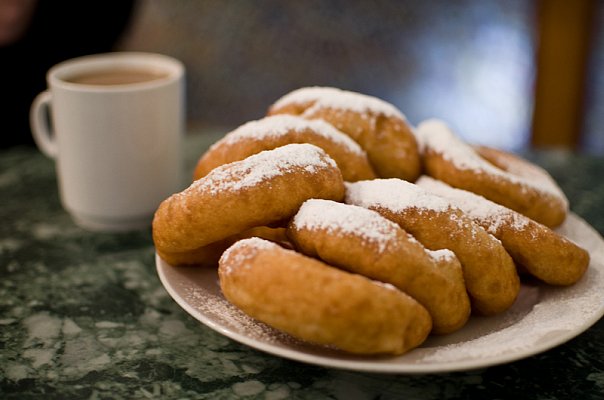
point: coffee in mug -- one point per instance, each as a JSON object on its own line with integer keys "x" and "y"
{"x": 116, "y": 129}
{"x": 117, "y": 77}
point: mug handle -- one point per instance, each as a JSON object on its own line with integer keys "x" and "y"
{"x": 40, "y": 124}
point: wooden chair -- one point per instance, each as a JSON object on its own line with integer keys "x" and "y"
{"x": 564, "y": 36}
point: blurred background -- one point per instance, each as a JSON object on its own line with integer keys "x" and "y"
{"x": 508, "y": 73}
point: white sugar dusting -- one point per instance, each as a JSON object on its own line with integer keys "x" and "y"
{"x": 533, "y": 173}
{"x": 262, "y": 167}
{"x": 337, "y": 217}
{"x": 280, "y": 125}
{"x": 559, "y": 311}
{"x": 543, "y": 317}
{"x": 328, "y": 97}
{"x": 435, "y": 135}
{"x": 385, "y": 285}
{"x": 477, "y": 207}
{"x": 393, "y": 194}
{"x": 220, "y": 310}
{"x": 234, "y": 257}
{"x": 441, "y": 255}
{"x": 256, "y": 243}
{"x": 555, "y": 315}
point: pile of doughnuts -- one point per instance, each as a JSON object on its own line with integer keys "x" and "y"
{"x": 334, "y": 220}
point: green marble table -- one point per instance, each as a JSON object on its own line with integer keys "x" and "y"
{"x": 83, "y": 316}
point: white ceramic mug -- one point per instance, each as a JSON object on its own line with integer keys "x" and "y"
{"x": 115, "y": 134}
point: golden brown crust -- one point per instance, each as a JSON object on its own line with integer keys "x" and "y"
{"x": 342, "y": 287}
{"x": 318, "y": 303}
{"x": 536, "y": 248}
{"x": 388, "y": 139}
{"x": 550, "y": 209}
{"x": 272, "y": 132}
{"x": 499, "y": 176}
{"x": 262, "y": 189}
{"x": 489, "y": 271}
{"x": 544, "y": 254}
{"x": 205, "y": 256}
{"x": 362, "y": 241}
{"x": 208, "y": 256}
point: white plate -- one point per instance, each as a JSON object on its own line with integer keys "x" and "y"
{"x": 543, "y": 317}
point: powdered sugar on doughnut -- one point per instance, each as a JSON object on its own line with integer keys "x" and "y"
{"x": 532, "y": 173}
{"x": 398, "y": 196}
{"x": 441, "y": 255}
{"x": 393, "y": 194}
{"x": 279, "y": 125}
{"x": 477, "y": 207}
{"x": 328, "y": 97}
{"x": 333, "y": 216}
{"x": 435, "y": 135}
{"x": 263, "y": 166}
{"x": 234, "y": 257}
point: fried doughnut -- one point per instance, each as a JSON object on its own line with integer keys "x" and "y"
{"x": 379, "y": 127}
{"x": 260, "y": 190}
{"x": 318, "y": 303}
{"x": 489, "y": 271}
{"x": 362, "y": 241}
{"x": 498, "y": 176}
{"x": 279, "y": 130}
{"x": 542, "y": 252}
{"x": 208, "y": 256}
